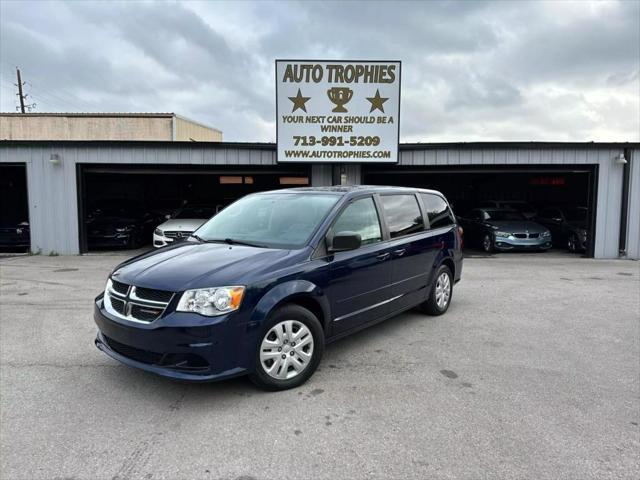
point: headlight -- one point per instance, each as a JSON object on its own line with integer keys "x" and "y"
{"x": 211, "y": 301}
{"x": 546, "y": 233}
{"x": 158, "y": 232}
{"x": 502, "y": 234}
{"x": 124, "y": 229}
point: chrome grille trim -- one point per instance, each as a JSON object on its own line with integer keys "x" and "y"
{"x": 177, "y": 234}
{"x": 145, "y": 301}
{"x": 521, "y": 235}
{"x": 130, "y": 298}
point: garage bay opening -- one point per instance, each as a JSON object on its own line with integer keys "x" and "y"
{"x": 562, "y": 199}
{"x": 14, "y": 209}
{"x": 122, "y": 205}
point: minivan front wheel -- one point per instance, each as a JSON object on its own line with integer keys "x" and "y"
{"x": 441, "y": 293}
{"x": 289, "y": 349}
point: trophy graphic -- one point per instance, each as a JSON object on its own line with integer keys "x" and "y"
{"x": 340, "y": 96}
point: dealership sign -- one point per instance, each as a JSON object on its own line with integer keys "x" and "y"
{"x": 347, "y": 111}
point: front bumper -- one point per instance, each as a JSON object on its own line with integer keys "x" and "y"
{"x": 161, "y": 241}
{"x": 111, "y": 240}
{"x": 179, "y": 345}
{"x": 512, "y": 243}
{"x": 10, "y": 238}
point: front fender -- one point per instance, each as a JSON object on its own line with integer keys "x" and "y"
{"x": 288, "y": 291}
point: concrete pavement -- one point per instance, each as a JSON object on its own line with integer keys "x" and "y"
{"x": 533, "y": 373}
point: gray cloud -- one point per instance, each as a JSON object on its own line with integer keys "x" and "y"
{"x": 471, "y": 70}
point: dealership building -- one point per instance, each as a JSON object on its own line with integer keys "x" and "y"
{"x": 55, "y": 183}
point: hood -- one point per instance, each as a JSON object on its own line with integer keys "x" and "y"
{"x": 17, "y": 224}
{"x": 182, "y": 224}
{"x": 517, "y": 226}
{"x": 198, "y": 265}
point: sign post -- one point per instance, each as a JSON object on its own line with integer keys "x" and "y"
{"x": 338, "y": 111}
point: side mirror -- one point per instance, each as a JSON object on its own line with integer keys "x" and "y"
{"x": 343, "y": 241}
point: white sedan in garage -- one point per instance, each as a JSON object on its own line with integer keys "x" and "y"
{"x": 182, "y": 224}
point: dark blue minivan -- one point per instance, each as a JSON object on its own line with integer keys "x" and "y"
{"x": 262, "y": 286}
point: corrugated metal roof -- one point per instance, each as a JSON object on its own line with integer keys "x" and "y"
{"x": 272, "y": 146}
{"x": 87, "y": 114}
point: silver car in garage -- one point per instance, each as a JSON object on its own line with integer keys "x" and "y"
{"x": 504, "y": 229}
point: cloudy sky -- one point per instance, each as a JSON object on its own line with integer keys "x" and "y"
{"x": 471, "y": 71}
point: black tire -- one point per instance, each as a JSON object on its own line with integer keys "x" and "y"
{"x": 297, "y": 313}
{"x": 572, "y": 243}
{"x": 487, "y": 243}
{"x": 430, "y": 306}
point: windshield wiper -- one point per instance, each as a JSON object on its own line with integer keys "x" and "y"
{"x": 198, "y": 238}
{"x": 233, "y": 241}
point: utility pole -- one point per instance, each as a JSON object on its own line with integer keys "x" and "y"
{"x": 20, "y": 91}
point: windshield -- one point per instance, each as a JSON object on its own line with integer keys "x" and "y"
{"x": 196, "y": 212}
{"x": 275, "y": 220}
{"x": 576, "y": 214}
{"x": 504, "y": 215}
{"x": 130, "y": 211}
{"x": 519, "y": 206}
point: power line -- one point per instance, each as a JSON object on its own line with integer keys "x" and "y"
{"x": 60, "y": 103}
{"x": 61, "y": 94}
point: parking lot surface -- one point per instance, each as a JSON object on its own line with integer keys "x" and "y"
{"x": 533, "y": 373}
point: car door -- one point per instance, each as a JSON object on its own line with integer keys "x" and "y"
{"x": 360, "y": 280}
{"x": 473, "y": 228}
{"x": 411, "y": 249}
{"x": 441, "y": 224}
{"x": 552, "y": 219}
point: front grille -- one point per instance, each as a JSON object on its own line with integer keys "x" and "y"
{"x": 133, "y": 353}
{"x": 520, "y": 235}
{"x": 119, "y": 287}
{"x": 118, "y": 305}
{"x": 177, "y": 234}
{"x": 148, "y": 314}
{"x": 534, "y": 235}
{"x": 136, "y": 303}
{"x": 153, "y": 295}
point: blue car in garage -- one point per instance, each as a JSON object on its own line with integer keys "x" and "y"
{"x": 261, "y": 287}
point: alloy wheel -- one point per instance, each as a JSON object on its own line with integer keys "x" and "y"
{"x": 571, "y": 243}
{"x": 443, "y": 290}
{"x": 486, "y": 243}
{"x": 286, "y": 350}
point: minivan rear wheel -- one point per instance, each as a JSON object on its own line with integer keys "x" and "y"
{"x": 289, "y": 349}
{"x": 441, "y": 293}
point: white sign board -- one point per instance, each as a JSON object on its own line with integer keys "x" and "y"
{"x": 346, "y": 111}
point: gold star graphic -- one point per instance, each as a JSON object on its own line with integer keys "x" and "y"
{"x": 299, "y": 102}
{"x": 377, "y": 101}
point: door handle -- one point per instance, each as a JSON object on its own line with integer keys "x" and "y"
{"x": 383, "y": 256}
{"x": 399, "y": 252}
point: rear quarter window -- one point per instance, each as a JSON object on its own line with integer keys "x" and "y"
{"x": 438, "y": 212}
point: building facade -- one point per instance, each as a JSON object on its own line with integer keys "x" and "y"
{"x": 63, "y": 178}
{"x": 161, "y": 127}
